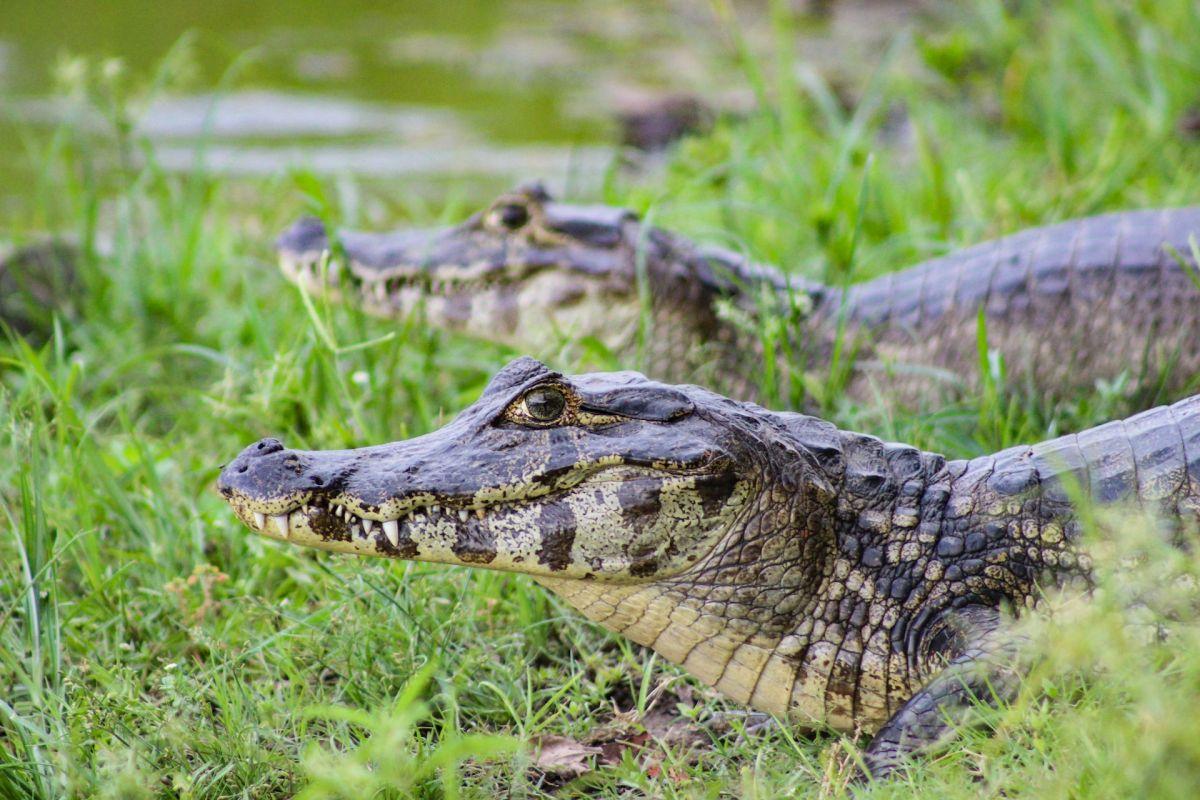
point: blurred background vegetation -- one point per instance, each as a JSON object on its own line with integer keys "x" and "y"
{"x": 149, "y": 646}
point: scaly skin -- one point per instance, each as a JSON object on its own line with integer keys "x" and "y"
{"x": 1066, "y": 305}
{"x": 804, "y": 570}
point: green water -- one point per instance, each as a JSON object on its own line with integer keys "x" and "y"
{"x": 420, "y": 90}
{"x": 360, "y": 49}
{"x": 427, "y": 92}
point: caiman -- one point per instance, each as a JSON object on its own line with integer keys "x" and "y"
{"x": 801, "y": 569}
{"x": 1119, "y": 292}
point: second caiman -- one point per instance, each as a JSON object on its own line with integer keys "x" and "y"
{"x": 1065, "y": 305}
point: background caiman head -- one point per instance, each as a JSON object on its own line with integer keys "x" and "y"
{"x": 538, "y": 275}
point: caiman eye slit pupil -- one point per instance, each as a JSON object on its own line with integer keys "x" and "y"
{"x": 545, "y": 403}
{"x": 512, "y": 216}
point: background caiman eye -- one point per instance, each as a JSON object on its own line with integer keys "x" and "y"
{"x": 545, "y": 403}
{"x": 512, "y": 216}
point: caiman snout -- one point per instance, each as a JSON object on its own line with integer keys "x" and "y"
{"x": 267, "y": 469}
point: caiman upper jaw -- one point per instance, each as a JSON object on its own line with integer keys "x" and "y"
{"x": 431, "y": 258}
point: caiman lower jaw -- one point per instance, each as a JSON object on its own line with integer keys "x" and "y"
{"x": 335, "y": 524}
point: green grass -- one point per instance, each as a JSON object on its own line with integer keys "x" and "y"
{"x": 149, "y": 645}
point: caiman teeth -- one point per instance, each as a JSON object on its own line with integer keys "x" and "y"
{"x": 391, "y": 529}
{"x": 361, "y": 527}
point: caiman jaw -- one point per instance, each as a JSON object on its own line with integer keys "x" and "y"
{"x": 494, "y": 528}
{"x": 336, "y": 524}
{"x": 321, "y": 273}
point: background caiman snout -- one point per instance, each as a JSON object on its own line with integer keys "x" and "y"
{"x": 267, "y": 469}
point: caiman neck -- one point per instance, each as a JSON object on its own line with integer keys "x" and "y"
{"x": 714, "y": 313}
{"x": 732, "y": 620}
{"x": 786, "y": 616}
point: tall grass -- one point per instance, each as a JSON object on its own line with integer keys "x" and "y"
{"x": 149, "y": 646}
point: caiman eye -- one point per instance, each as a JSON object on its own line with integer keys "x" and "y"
{"x": 512, "y": 216}
{"x": 545, "y": 403}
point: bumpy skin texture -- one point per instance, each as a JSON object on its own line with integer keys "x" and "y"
{"x": 1067, "y": 305}
{"x": 539, "y": 275}
{"x": 798, "y": 568}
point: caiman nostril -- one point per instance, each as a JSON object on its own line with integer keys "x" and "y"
{"x": 256, "y": 466}
{"x": 267, "y": 446}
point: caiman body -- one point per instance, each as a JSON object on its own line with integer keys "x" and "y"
{"x": 1065, "y": 305}
{"x": 798, "y": 568}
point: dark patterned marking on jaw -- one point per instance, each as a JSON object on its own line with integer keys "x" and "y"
{"x": 639, "y": 499}
{"x": 404, "y": 547}
{"x": 328, "y": 526}
{"x": 475, "y": 544}
{"x": 557, "y": 524}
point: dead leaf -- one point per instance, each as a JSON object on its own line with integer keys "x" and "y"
{"x": 677, "y": 775}
{"x": 646, "y": 738}
{"x": 564, "y": 757}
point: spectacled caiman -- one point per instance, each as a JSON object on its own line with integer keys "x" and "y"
{"x": 799, "y": 568}
{"x": 1065, "y": 305}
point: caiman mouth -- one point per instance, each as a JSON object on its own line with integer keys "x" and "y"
{"x": 339, "y": 519}
{"x": 322, "y": 273}
{"x": 441, "y": 528}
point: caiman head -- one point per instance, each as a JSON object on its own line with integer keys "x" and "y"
{"x": 603, "y": 476}
{"x": 637, "y": 501}
{"x": 534, "y": 274}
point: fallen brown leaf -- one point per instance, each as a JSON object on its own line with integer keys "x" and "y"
{"x": 564, "y": 757}
{"x": 646, "y": 738}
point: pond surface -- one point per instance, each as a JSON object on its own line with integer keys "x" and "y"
{"x": 427, "y": 91}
